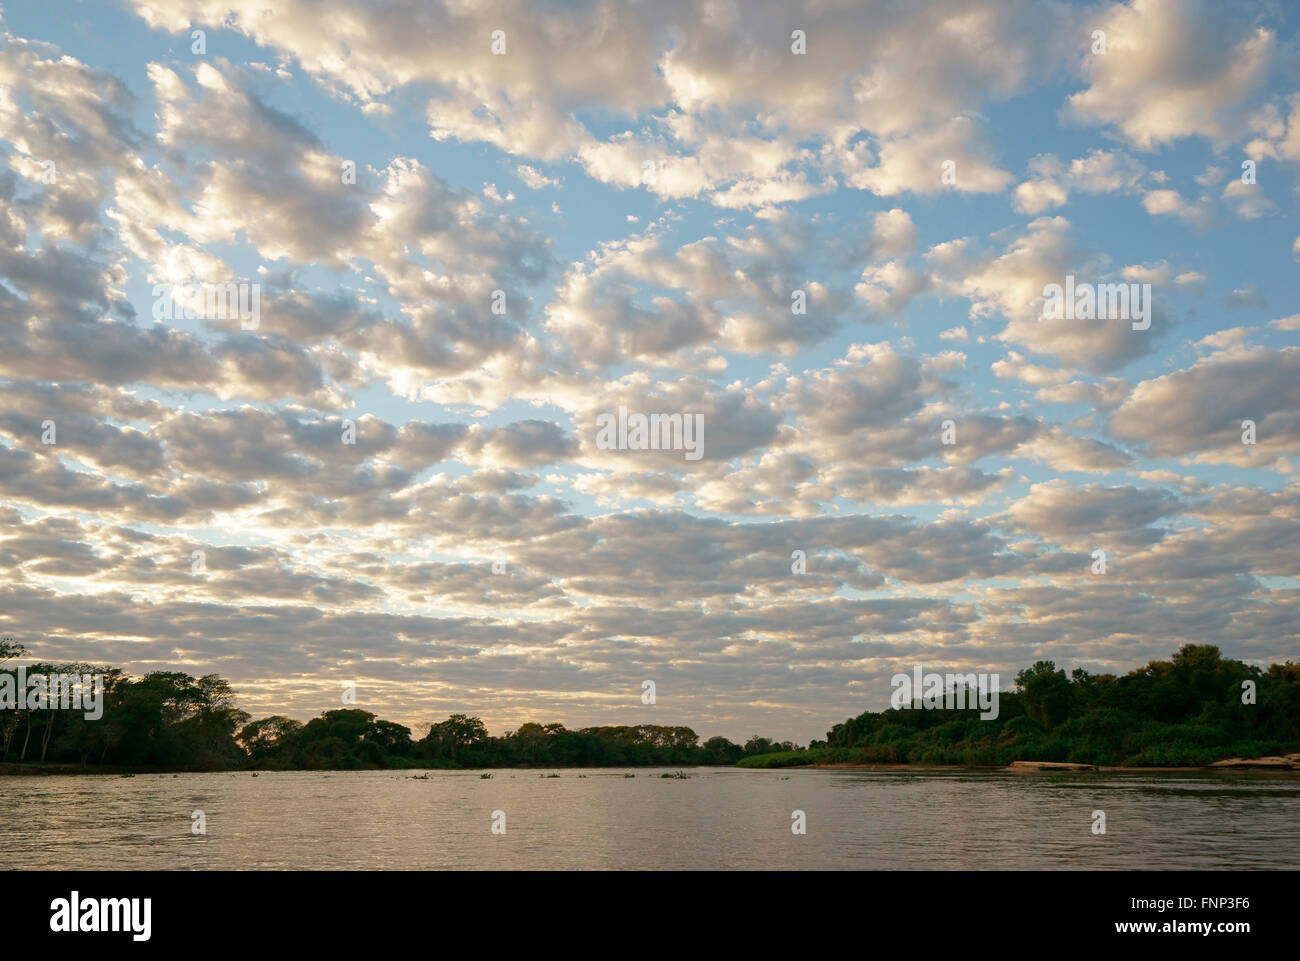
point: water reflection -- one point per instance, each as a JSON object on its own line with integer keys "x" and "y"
{"x": 718, "y": 818}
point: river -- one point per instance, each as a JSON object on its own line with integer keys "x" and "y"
{"x": 716, "y": 818}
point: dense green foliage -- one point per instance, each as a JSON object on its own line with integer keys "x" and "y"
{"x": 164, "y": 720}
{"x": 1185, "y": 711}
{"x": 172, "y": 721}
{"x": 356, "y": 739}
{"x": 1188, "y": 710}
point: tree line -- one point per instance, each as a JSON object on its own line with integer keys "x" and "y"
{"x": 168, "y": 720}
{"x": 1193, "y": 709}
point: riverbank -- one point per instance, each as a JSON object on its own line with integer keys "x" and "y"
{"x": 48, "y": 768}
{"x": 1289, "y": 763}
{"x": 1286, "y": 764}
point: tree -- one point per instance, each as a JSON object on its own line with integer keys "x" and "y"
{"x": 170, "y": 719}
{"x": 718, "y": 750}
{"x": 391, "y": 738}
{"x": 456, "y": 734}
{"x": 1047, "y": 693}
{"x": 271, "y": 739}
{"x": 530, "y": 738}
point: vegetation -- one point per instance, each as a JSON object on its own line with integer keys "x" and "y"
{"x": 172, "y": 721}
{"x": 162, "y": 720}
{"x": 1186, "y": 711}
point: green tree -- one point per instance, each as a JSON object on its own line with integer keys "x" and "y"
{"x": 1047, "y": 693}
{"x": 271, "y": 739}
{"x": 455, "y": 735}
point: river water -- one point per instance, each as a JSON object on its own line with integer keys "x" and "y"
{"x": 600, "y": 819}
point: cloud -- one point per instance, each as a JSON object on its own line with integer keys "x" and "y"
{"x": 1170, "y": 202}
{"x": 770, "y": 288}
{"x": 1175, "y": 69}
{"x": 688, "y": 79}
{"x": 757, "y": 237}
{"x": 1011, "y": 284}
{"x": 1247, "y": 200}
{"x": 1245, "y": 298}
{"x": 1092, "y": 515}
{"x": 1101, "y": 171}
{"x": 1213, "y": 397}
{"x": 533, "y": 178}
{"x": 916, "y": 163}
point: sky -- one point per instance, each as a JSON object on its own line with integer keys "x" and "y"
{"x": 825, "y": 232}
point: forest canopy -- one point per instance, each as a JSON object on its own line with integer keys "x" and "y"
{"x": 168, "y": 720}
{"x": 1192, "y": 709}
{"x": 1195, "y": 708}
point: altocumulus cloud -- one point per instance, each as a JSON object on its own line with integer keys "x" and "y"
{"x": 830, "y": 246}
